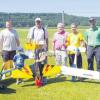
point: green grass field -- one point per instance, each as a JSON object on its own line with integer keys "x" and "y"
{"x": 57, "y": 88}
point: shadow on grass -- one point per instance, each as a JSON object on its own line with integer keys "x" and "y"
{"x": 91, "y": 81}
{"x": 28, "y": 85}
{"x": 64, "y": 79}
{"x": 29, "y": 80}
{"x": 49, "y": 81}
{"x": 86, "y": 81}
{"x": 7, "y": 91}
{"x": 56, "y": 80}
{"x": 6, "y": 83}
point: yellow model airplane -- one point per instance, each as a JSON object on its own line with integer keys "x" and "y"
{"x": 25, "y": 72}
{"x": 53, "y": 70}
{"x": 31, "y": 46}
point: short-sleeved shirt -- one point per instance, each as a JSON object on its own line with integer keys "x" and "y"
{"x": 38, "y": 34}
{"x": 19, "y": 60}
{"x": 75, "y": 39}
{"x": 59, "y": 39}
{"x": 92, "y": 36}
{"x": 8, "y": 40}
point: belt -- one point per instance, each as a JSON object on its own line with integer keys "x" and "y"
{"x": 94, "y": 46}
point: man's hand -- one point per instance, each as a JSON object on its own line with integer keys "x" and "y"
{"x": 0, "y": 52}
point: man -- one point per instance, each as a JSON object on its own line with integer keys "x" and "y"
{"x": 9, "y": 41}
{"x": 38, "y": 35}
{"x": 92, "y": 36}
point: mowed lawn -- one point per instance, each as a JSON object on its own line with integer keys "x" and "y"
{"x": 57, "y": 88}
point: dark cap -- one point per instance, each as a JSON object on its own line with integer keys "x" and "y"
{"x": 91, "y": 19}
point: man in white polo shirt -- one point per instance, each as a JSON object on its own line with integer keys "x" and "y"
{"x": 38, "y": 35}
{"x": 9, "y": 41}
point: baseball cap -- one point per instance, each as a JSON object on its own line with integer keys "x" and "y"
{"x": 38, "y": 19}
{"x": 60, "y": 25}
{"x": 91, "y": 19}
{"x": 20, "y": 49}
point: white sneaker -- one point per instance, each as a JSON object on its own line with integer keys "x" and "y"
{"x": 19, "y": 81}
{"x": 3, "y": 76}
{"x": 58, "y": 75}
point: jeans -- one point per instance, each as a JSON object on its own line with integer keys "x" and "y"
{"x": 91, "y": 53}
{"x": 79, "y": 60}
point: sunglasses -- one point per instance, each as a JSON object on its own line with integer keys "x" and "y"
{"x": 91, "y": 21}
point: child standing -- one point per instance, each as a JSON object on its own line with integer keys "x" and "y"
{"x": 19, "y": 61}
{"x": 40, "y": 60}
{"x": 38, "y": 34}
{"x": 75, "y": 39}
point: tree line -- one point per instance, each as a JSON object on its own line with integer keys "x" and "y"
{"x": 49, "y": 19}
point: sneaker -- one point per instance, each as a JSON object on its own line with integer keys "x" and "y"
{"x": 3, "y": 76}
{"x": 73, "y": 79}
{"x": 44, "y": 81}
{"x": 38, "y": 83}
{"x": 19, "y": 81}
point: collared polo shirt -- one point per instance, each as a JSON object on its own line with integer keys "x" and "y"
{"x": 92, "y": 36}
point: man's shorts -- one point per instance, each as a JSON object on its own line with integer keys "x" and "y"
{"x": 8, "y": 55}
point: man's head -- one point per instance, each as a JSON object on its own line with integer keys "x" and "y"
{"x": 74, "y": 27}
{"x": 60, "y": 27}
{"x": 92, "y": 22}
{"x": 9, "y": 24}
{"x": 38, "y": 22}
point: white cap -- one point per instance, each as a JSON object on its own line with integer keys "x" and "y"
{"x": 60, "y": 25}
{"x": 38, "y": 19}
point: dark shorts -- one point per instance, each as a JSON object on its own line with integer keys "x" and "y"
{"x": 8, "y": 55}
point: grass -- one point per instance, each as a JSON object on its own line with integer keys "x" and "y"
{"x": 56, "y": 89}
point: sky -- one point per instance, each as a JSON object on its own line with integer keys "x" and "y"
{"x": 86, "y": 8}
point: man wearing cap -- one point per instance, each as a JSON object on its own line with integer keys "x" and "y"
{"x": 37, "y": 34}
{"x": 92, "y": 36}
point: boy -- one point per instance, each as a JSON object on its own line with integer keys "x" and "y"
{"x": 19, "y": 61}
{"x": 75, "y": 39}
{"x": 40, "y": 58}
